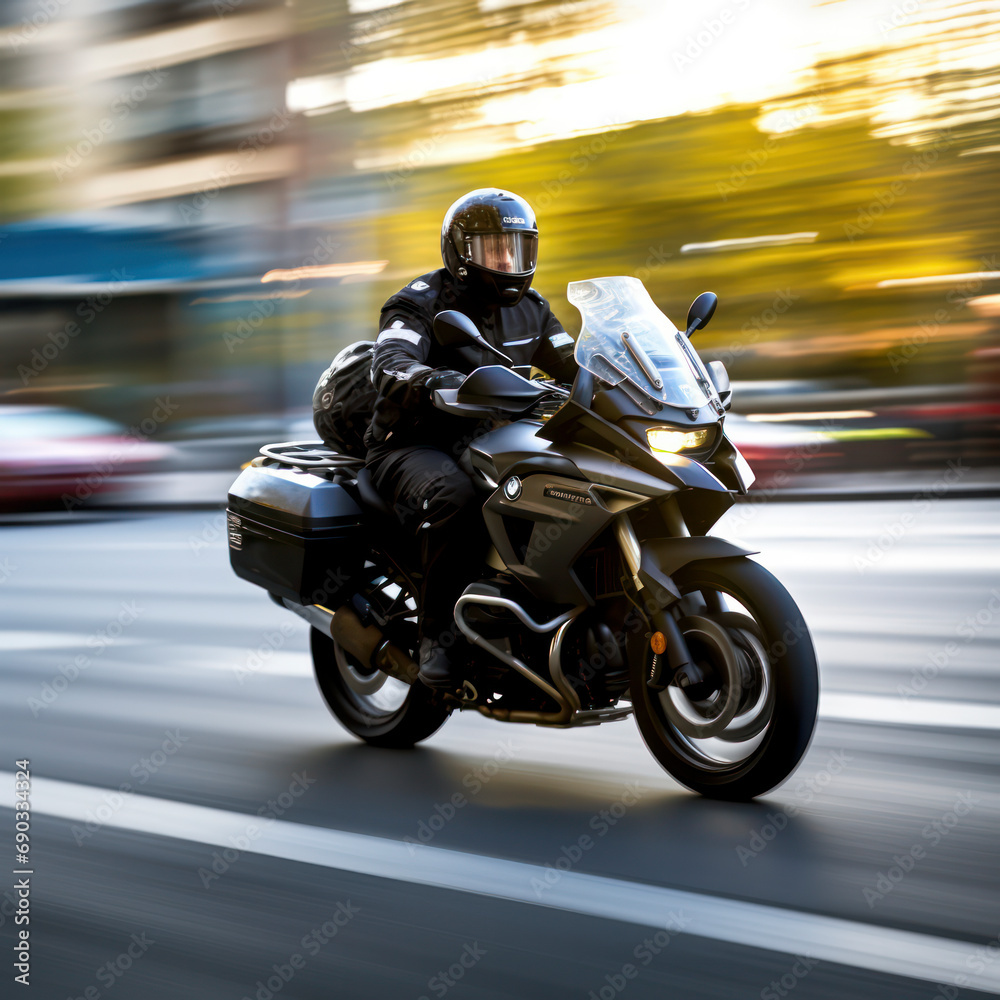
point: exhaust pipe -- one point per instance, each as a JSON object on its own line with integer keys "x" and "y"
{"x": 364, "y": 642}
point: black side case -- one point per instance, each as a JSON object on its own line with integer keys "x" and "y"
{"x": 296, "y": 534}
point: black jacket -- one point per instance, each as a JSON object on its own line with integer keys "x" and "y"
{"x": 406, "y": 352}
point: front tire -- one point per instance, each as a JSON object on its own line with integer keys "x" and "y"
{"x": 763, "y": 741}
{"x": 381, "y": 710}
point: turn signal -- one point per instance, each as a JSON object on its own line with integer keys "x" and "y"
{"x": 658, "y": 643}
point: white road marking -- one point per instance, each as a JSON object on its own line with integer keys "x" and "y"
{"x": 834, "y": 705}
{"x": 755, "y": 925}
{"x": 15, "y": 641}
{"x": 909, "y": 711}
{"x": 263, "y": 659}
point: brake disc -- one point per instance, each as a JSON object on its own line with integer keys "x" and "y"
{"x": 757, "y": 701}
{"x": 701, "y": 720}
{"x": 753, "y": 717}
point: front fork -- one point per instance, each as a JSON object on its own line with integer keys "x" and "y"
{"x": 655, "y": 594}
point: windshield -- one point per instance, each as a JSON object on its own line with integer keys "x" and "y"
{"x": 625, "y": 338}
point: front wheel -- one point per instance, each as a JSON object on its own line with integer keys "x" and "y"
{"x": 744, "y": 729}
{"x": 375, "y": 707}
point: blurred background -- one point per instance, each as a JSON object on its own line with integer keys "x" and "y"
{"x": 202, "y": 201}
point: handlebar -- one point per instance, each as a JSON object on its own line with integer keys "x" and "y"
{"x": 496, "y": 399}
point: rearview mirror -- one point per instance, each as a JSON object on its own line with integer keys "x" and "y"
{"x": 455, "y": 329}
{"x": 701, "y": 311}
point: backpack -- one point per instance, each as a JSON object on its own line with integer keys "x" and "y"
{"x": 344, "y": 400}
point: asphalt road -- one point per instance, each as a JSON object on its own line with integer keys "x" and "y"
{"x": 203, "y": 828}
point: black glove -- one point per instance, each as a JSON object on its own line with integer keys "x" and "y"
{"x": 440, "y": 378}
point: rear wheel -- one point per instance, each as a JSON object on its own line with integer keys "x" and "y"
{"x": 745, "y": 729}
{"x": 375, "y": 707}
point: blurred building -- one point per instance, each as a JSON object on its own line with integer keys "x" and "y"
{"x": 152, "y": 169}
{"x": 209, "y": 198}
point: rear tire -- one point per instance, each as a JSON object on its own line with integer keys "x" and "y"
{"x": 397, "y": 718}
{"x": 790, "y": 693}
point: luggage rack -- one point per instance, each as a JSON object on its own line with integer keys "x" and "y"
{"x": 310, "y": 455}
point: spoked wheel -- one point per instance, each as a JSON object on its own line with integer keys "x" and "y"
{"x": 743, "y": 729}
{"x": 375, "y": 707}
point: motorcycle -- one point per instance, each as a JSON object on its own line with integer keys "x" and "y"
{"x": 602, "y": 595}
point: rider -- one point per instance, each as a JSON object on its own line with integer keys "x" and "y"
{"x": 489, "y": 244}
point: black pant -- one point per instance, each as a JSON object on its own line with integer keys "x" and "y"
{"x": 436, "y": 502}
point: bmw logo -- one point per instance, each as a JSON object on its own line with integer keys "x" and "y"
{"x": 512, "y": 488}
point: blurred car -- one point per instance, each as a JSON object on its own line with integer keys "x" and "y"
{"x": 778, "y": 451}
{"x": 56, "y": 456}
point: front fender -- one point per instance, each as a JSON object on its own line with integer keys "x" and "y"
{"x": 661, "y": 558}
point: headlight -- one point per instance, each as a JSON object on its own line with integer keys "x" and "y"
{"x": 668, "y": 440}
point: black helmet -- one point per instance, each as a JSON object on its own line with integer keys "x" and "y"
{"x": 489, "y": 238}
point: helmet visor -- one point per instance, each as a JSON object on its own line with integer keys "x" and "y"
{"x": 512, "y": 252}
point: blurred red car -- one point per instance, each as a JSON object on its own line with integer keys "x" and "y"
{"x": 777, "y": 452}
{"x": 55, "y": 456}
